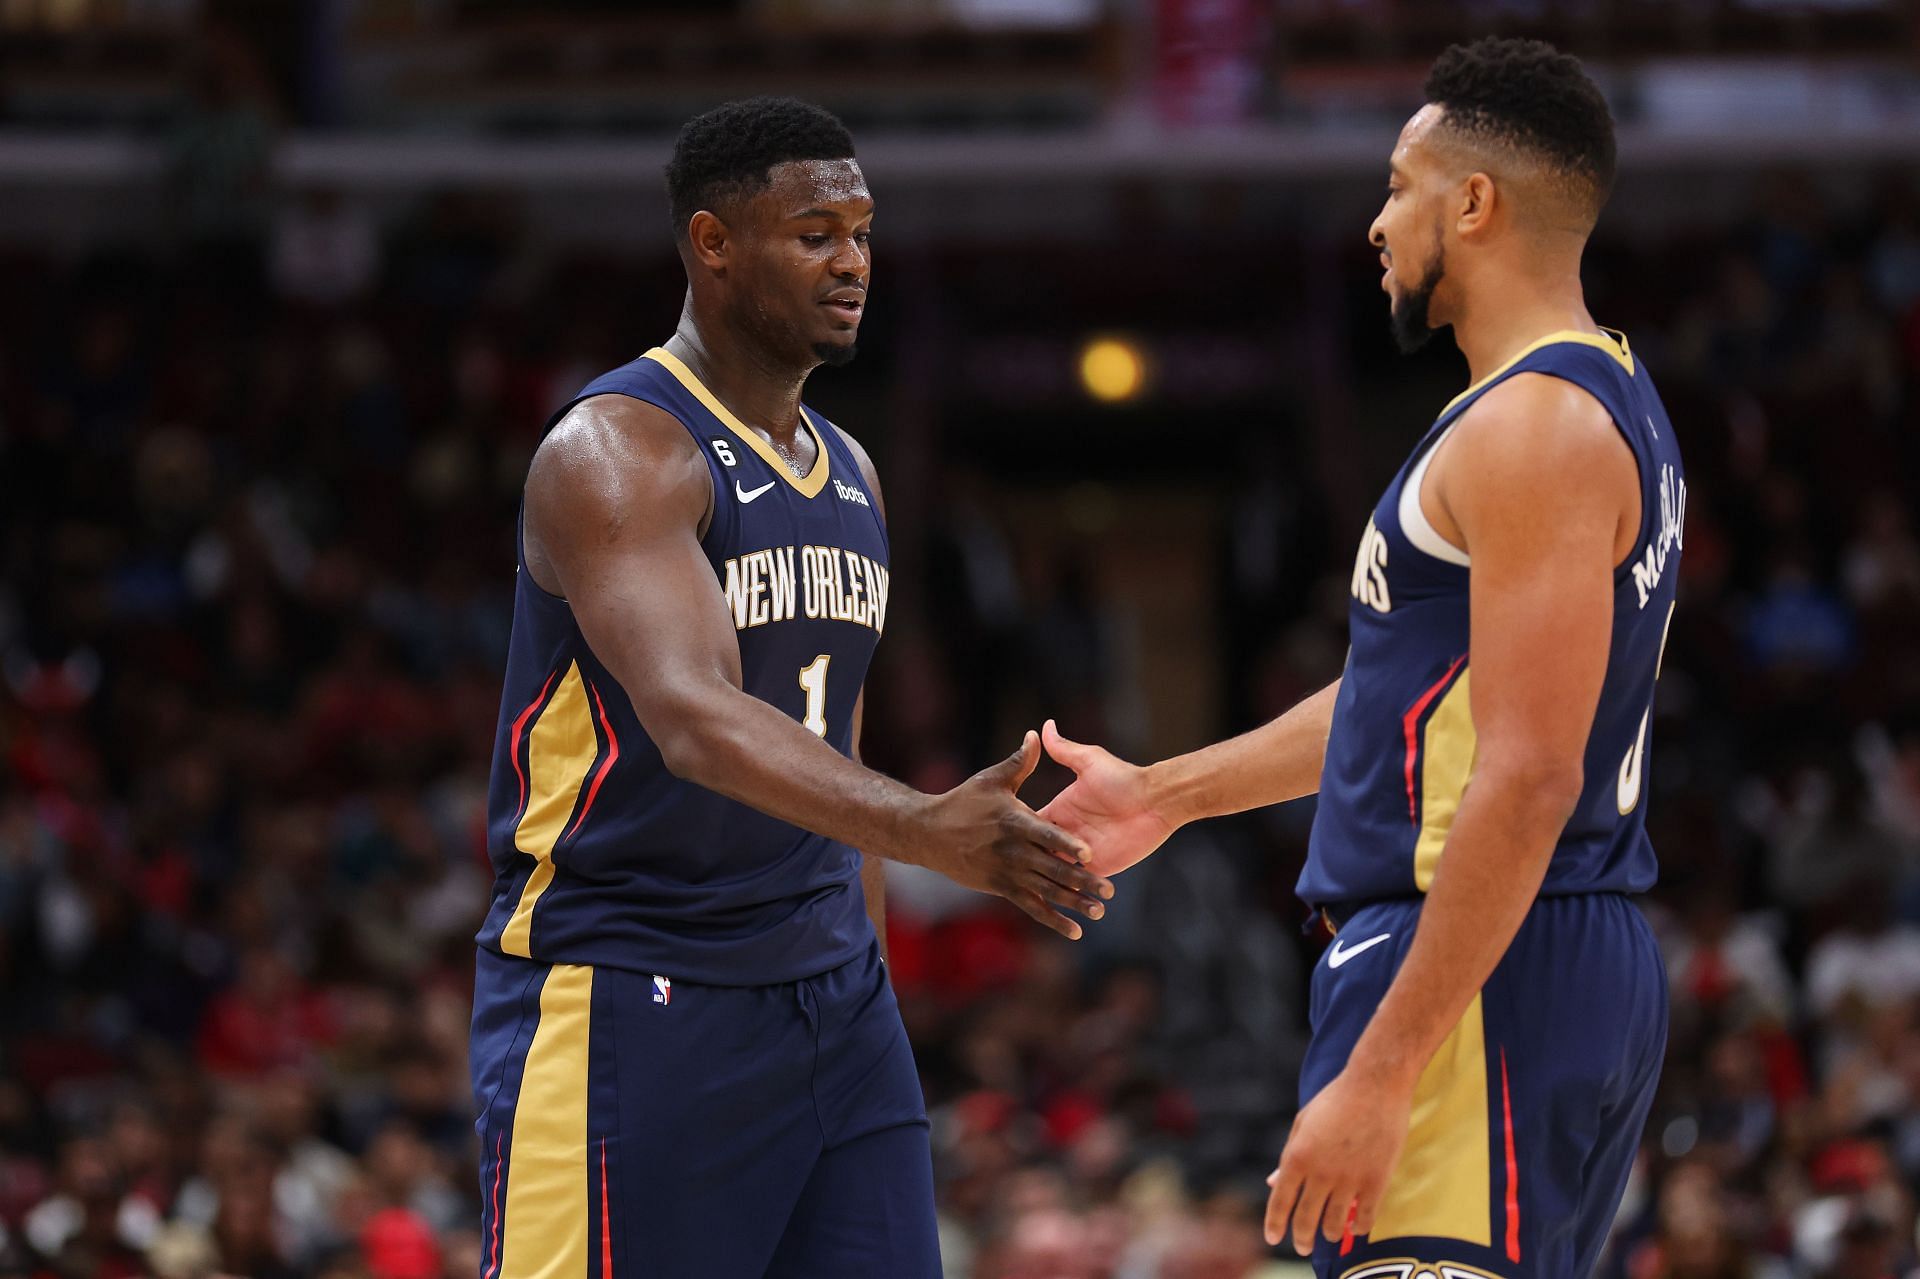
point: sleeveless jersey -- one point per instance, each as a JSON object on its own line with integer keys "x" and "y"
{"x": 1401, "y": 750}
{"x": 600, "y": 855}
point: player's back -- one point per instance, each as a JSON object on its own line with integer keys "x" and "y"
{"x": 601, "y": 855}
{"x": 1402, "y": 746}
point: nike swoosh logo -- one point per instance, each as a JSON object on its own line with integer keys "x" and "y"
{"x": 1338, "y": 956}
{"x": 747, "y": 495}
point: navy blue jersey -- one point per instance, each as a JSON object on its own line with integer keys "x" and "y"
{"x": 603, "y": 857}
{"x": 1401, "y": 751}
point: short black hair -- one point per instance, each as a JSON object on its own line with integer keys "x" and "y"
{"x": 1529, "y": 95}
{"x": 727, "y": 153}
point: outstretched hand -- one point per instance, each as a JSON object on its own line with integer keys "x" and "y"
{"x": 981, "y": 836}
{"x": 1108, "y": 806}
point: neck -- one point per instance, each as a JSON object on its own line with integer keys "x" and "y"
{"x": 759, "y": 388}
{"x": 1496, "y": 323}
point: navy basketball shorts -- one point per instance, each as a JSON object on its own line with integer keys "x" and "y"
{"x": 635, "y": 1127}
{"x": 1526, "y": 1122}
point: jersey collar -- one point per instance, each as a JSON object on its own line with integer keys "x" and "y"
{"x": 1612, "y": 341}
{"x": 809, "y": 484}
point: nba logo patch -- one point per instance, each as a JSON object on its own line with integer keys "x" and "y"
{"x": 662, "y": 990}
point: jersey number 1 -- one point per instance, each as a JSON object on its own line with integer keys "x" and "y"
{"x": 813, "y": 678}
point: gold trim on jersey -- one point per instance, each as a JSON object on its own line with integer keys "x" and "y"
{"x": 560, "y": 751}
{"x": 1448, "y": 745}
{"x": 545, "y": 1231}
{"x": 1443, "y": 1185}
{"x": 809, "y": 485}
{"x": 1612, "y": 341}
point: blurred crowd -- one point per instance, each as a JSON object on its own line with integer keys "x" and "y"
{"x": 256, "y": 501}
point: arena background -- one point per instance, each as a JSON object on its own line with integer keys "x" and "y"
{"x": 290, "y": 288}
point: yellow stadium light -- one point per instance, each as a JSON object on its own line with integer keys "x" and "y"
{"x": 1112, "y": 370}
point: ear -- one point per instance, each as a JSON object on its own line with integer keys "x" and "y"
{"x": 708, "y": 240}
{"x": 1479, "y": 198}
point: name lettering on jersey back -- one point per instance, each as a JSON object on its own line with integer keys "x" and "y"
{"x": 1370, "y": 571}
{"x": 785, "y": 582}
{"x": 1670, "y": 536}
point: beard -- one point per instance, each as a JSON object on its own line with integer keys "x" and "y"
{"x": 833, "y": 354}
{"x": 1411, "y": 327}
{"x": 785, "y": 341}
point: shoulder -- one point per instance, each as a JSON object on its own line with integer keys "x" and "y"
{"x": 614, "y": 474}
{"x": 1536, "y": 458}
{"x": 1540, "y": 428}
{"x": 615, "y": 438}
{"x": 609, "y": 452}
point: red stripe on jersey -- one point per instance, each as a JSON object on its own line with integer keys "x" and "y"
{"x": 606, "y": 1222}
{"x": 493, "y": 1262}
{"x": 1513, "y": 1168}
{"x": 1411, "y": 722}
{"x": 513, "y": 745}
{"x": 600, "y": 775}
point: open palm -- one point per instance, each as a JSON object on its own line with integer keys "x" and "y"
{"x": 1106, "y": 805}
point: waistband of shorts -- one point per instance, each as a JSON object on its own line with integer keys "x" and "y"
{"x": 1336, "y": 914}
{"x": 679, "y": 974}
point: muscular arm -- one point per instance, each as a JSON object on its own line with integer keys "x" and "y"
{"x": 614, "y": 502}
{"x": 1539, "y": 485}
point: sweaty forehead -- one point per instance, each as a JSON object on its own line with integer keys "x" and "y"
{"x": 797, "y": 185}
{"x": 1418, "y": 146}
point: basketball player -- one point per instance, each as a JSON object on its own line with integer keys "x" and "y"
{"x": 1489, "y": 1021}
{"x": 686, "y": 1056}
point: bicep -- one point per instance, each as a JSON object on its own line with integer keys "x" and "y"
{"x": 654, "y": 615}
{"x": 1539, "y": 505}
{"x": 1542, "y": 618}
{"x": 618, "y": 512}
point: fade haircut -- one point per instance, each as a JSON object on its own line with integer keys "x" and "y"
{"x": 726, "y": 154}
{"x": 1528, "y": 97}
